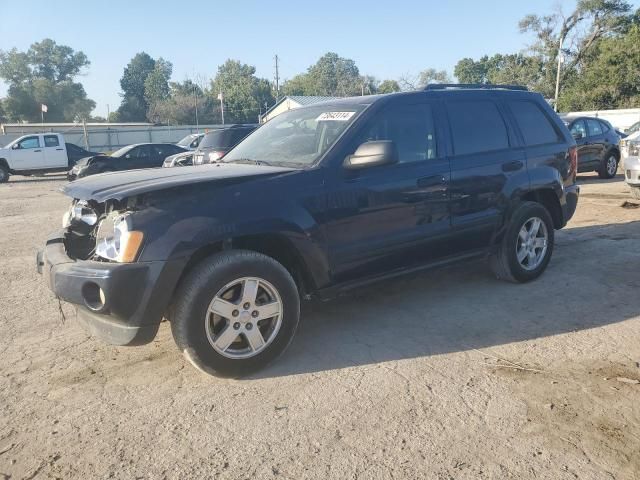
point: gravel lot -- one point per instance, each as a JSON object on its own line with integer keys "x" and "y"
{"x": 450, "y": 374}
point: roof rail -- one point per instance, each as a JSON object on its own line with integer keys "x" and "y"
{"x": 470, "y": 86}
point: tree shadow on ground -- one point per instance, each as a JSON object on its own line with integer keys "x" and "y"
{"x": 592, "y": 281}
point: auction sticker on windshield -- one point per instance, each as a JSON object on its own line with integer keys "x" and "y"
{"x": 336, "y": 116}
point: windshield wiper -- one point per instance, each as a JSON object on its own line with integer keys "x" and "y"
{"x": 250, "y": 161}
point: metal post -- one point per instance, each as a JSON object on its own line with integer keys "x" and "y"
{"x": 555, "y": 101}
{"x": 221, "y": 106}
{"x": 195, "y": 98}
{"x": 86, "y": 135}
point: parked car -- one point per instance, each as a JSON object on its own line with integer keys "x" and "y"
{"x": 318, "y": 200}
{"x": 631, "y": 162}
{"x": 38, "y": 153}
{"x": 216, "y": 143}
{"x": 598, "y": 145}
{"x": 191, "y": 141}
{"x": 632, "y": 129}
{"x": 141, "y": 155}
{"x": 182, "y": 159}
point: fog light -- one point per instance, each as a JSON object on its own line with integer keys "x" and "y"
{"x": 94, "y": 296}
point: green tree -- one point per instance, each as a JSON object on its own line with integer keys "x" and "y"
{"x": 388, "y": 86}
{"x": 517, "y": 69}
{"x": 609, "y": 77}
{"x": 134, "y": 104}
{"x": 180, "y": 106}
{"x": 44, "y": 74}
{"x": 156, "y": 87}
{"x": 244, "y": 94}
{"x": 331, "y": 75}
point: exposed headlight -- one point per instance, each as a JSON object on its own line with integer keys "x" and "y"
{"x": 80, "y": 212}
{"x": 634, "y": 149}
{"x": 116, "y": 241}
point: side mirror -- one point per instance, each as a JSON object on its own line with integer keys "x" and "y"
{"x": 577, "y": 135}
{"x": 372, "y": 154}
{"x": 16, "y": 146}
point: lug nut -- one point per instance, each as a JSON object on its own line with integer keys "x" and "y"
{"x": 235, "y": 313}
{"x": 236, "y": 326}
{"x": 246, "y": 306}
{"x": 254, "y": 314}
{"x": 249, "y": 326}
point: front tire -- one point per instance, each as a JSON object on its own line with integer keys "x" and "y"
{"x": 235, "y": 312}
{"x": 527, "y": 245}
{"x": 4, "y": 174}
{"x": 608, "y": 167}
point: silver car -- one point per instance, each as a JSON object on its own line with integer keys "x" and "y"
{"x": 631, "y": 158}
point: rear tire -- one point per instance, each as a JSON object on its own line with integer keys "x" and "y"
{"x": 522, "y": 255}
{"x": 4, "y": 174}
{"x": 608, "y": 166}
{"x": 211, "y": 325}
{"x": 635, "y": 192}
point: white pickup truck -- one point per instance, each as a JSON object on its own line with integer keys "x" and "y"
{"x": 39, "y": 153}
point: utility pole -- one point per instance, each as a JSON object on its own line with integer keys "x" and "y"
{"x": 221, "y": 98}
{"x": 560, "y": 60}
{"x": 195, "y": 99}
{"x": 277, "y": 78}
{"x": 108, "y": 113}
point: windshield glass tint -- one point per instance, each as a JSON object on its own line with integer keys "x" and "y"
{"x": 298, "y": 136}
{"x": 186, "y": 141}
{"x": 123, "y": 151}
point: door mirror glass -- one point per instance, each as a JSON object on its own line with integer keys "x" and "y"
{"x": 577, "y": 135}
{"x": 16, "y": 146}
{"x": 372, "y": 154}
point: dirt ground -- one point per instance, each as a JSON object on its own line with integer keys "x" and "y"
{"x": 450, "y": 374}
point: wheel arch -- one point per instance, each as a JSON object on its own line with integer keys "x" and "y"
{"x": 547, "y": 197}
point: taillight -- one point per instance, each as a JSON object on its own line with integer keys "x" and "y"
{"x": 573, "y": 160}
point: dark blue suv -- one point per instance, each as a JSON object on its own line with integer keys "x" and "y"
{"x": 316, "y": 201}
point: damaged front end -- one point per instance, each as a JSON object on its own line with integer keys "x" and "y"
{"x": 102, "y": 231}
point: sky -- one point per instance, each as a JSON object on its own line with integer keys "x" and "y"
{"x": 386, "y": 39}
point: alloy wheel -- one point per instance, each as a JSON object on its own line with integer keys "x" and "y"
{"x": 532, "y": 243}
{"x": 244, "y": 317}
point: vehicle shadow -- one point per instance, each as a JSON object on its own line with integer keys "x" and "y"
{"x": 464, "y": 307}
{"x": 588, "y": 178}
{"x": 39, "y": 179}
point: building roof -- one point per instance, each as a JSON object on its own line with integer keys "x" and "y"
{"x": 308, "y": 100}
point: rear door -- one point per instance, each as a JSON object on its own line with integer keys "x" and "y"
{"x": 486, "y": 159}
{"x": 55, "y": 155}
{"x": 598, "y": 140}
{"x": 392, "y": 216}
{"x": 28, "y": 154}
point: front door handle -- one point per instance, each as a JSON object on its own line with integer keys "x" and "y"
{"x": 59, "y": 149}
{"x": 431, "y": 181}
{"x": 512, "y": 166}
{"x": 36, "y": 151}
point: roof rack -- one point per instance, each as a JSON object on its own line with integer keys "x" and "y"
{"x": 470, "y": 86}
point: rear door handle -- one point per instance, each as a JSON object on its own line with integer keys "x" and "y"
{"x": 59, "y": 149}
{"x": 512, "y": 166}
{"x": 431, "y": 181}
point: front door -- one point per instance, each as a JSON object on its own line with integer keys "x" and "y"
{"x": 391, "y": 216}
{"x": 586, "y": 151}
{"x": 27, "y": 154}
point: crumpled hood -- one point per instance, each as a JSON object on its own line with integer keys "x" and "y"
{"x": 119, "y": 185}
{"x": 84, "y": 161}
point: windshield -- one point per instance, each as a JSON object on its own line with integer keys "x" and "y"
{"x": 186, "y": 141}
{"x": 298, "y": 137}
{"x": 634, "y": 128}
{"x": 122, "y": 152}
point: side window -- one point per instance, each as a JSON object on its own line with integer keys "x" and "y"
{"x": 594, "y": 127}
{"x": 30, "y": 142}
{"x": 605, "y": 126}
{"x": 239, "y": 135}
{"x": 476, "y": 126}
{"x": 51, "y": 141}
{"x": 536, "y": 128}
{"x": 578, "y": 129}
{"x": 410, "y": 127}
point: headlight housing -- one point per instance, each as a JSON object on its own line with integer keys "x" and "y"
{"x": 116, "y": 241}
{"x": 80, "y": 212}
{"x": 634, "y": 149}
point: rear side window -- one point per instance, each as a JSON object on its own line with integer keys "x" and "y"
{"x": 476, "y": 126}
{"x": 51, "y": 141}
{"x": 594, "y": 127}
{"x": 605, "y": 126}
{"x": 535, "y": 126}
